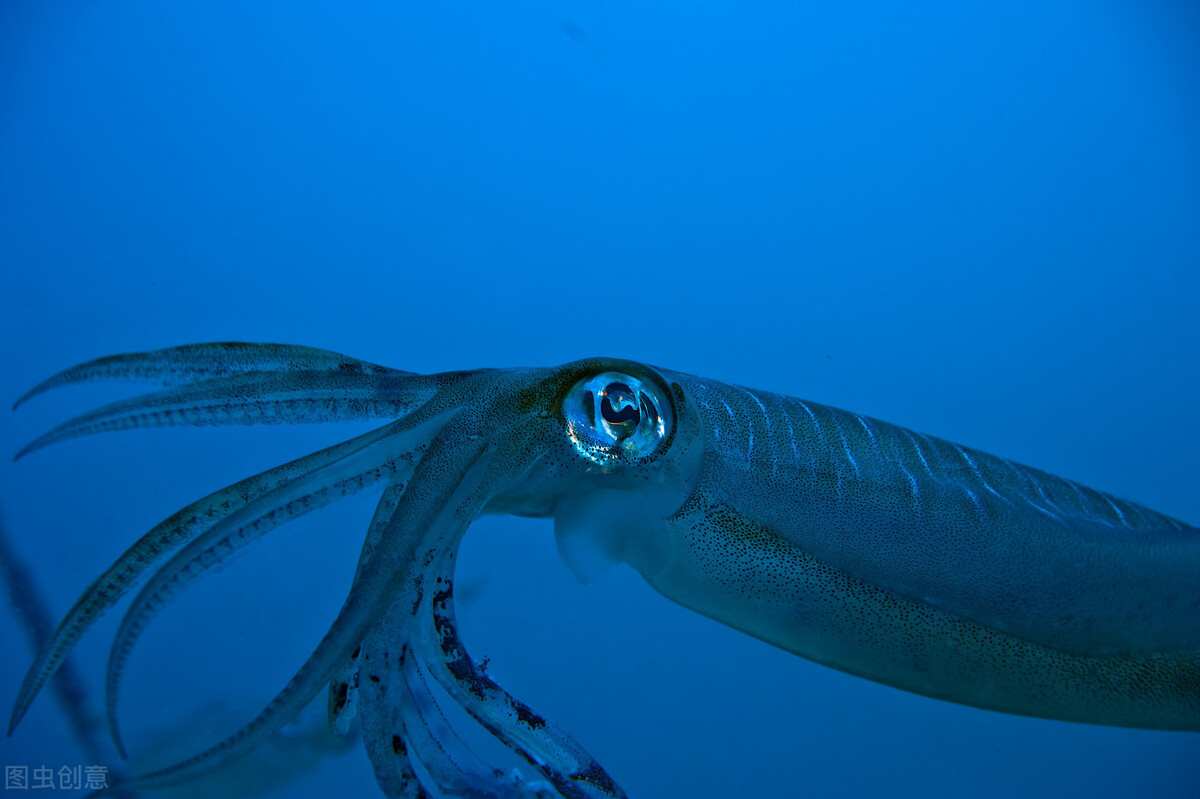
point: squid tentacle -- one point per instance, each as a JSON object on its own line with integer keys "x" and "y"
{"x": 402, "y": 721}
{"x": 389, "y": 737}
{"x": 388, "y": 454}
{"x": 342, "y": 703}
{"x": 451, "y": 764}
{"x": 432, "y": 511}
{"x": 548, "y": 748}
{"x": 253, "y": 398}
{"x": 194, "y": 362}
{"x": 385, "y": 737}
{"x": 448, "y": 758}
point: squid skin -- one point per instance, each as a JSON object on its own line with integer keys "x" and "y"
{"x": 882, "y": 552}
{"x": 931, "y": 567}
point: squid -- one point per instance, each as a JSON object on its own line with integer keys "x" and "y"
{"x": 885, "y": 553}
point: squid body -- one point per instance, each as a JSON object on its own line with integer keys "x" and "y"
{"x": 886, "y": 553}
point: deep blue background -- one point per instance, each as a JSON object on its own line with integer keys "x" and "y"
{"x": 977, "y": 220}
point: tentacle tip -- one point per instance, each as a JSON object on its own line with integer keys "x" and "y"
{"x": 18, "y": 713}
{"x": 115, "y": 733}
{"x": 28, "y": 395}
{"x": 28, "y": 448}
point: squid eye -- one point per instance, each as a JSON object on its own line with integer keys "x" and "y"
{"x": 615, "y": 417}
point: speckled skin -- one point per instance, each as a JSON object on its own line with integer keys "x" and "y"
{"x": 931, "y": 567}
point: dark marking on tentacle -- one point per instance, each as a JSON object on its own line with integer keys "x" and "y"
{"x": 524, "y": 712}
{"x": 341, "y": 693}
{"x": 595, "y": 774}
{"x": 419, "y": 593}
{"x": 443, "y": 596}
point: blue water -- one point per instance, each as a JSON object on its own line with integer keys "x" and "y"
{"x": 977, "y": 220}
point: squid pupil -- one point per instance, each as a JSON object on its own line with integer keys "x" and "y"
{"x": 628, "y": 413}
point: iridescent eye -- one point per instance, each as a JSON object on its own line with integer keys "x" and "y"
{"x": 615, "y": 417}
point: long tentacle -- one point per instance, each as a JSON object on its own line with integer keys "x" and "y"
{"x": 451, "y": 765}
{"x": 546, "y": 746}
{"x": 303, "y": 397}
{"x": 447, "y": 758}
{"x": 399, "y": 713}
{"x": 383, "y": 697}
{"x": 403, "y": 723}
{"x": 188, "y": 364}
{"x": 180, "y": 528}
{"x": 384, "y": 738}
{"x": 342, "y": 704}
{"x": 390, "y": 453}
{"x": 401, "y": 719}
{"x": 432, "y": 515}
